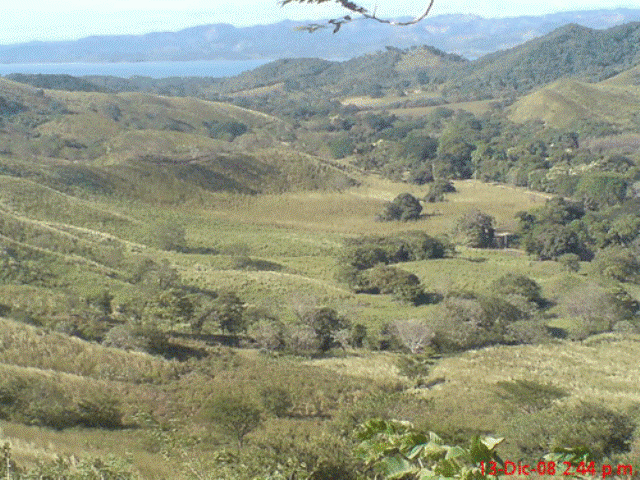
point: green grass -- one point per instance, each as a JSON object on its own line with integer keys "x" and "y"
{"x": 565, "y": 102}
{"x": 89, "y": 234}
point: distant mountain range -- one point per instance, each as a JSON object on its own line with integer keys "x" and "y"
{"x": 466, "y": 35}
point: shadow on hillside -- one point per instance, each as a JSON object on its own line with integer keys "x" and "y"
{"x": 198, "y": 250}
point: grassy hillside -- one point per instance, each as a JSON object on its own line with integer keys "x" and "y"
{"x": 181, "y": 147}
{"x": 564, "y": 103}
{"x": 162, "y": 258}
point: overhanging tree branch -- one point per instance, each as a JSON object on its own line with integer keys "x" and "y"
{"x": 357, "y": 9}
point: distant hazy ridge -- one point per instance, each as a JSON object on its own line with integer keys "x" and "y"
{"x": 466, "y": 35}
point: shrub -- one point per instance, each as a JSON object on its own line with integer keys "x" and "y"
{"x": 302, "y": 339}
{"x": 466, "y": 321}
{"x": 358, "y": 335}
{"x": 41, "y": 401}
{"x": 168, "y": 236}
{"x": 597, "y": 309}
{"x": 416, "y": 335}
{"x": 437, "y": 190}
{"x": 404, "y": 207}
{"x": 619, "y": 263}
{"x": 586, "y": 426}
{"x": 364, "y": 256}
{"x": 226, "y": 130}
{"x": 137, "y": 337}
{"x": 365, "y": 252}
{"x": 601, "y": 431}
{"x": 268, "y": 334}
{"x": 325, "y": 322}
{"x": 236, "y": 415}
{"x": 475, "y": 229}
{"x": 256, "y": 264}
{"x": 419, "y": 147}
{"x": 167, "y": 309}
{"x": 515, "y": 284}
{"x": 228, "y": 313}
{"x": 402, "y": 285}
{"x": 342, "y": 147}
{"x": 548, "y": 241}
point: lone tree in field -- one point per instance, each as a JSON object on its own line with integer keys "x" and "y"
{"x": 325, "y": 322}
{"x": 356, "y": 9}
{"x": 404, "y": 207}
{"x": 414, "y": 334}
{"x": 476, "y": 229}
{"x": 234, "y": 413}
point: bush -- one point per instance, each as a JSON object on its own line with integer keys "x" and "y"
{"x": 228, "y": 314}
{"x": 570, "y": 262}
{"x": 528, "y": 394}
{"x": 234, "y": 414}
{"x": 515, "y": 284}
{"x": 597, "y": 309}
{"x": 595, "y": 428}
{"x": 548, "y": 241}
{"x": 325, "y": 322}
{"x": 366, "y": 252}
{"x": 419, "y": 147}
{"x": 404, "y": 207}
{"x": 466, "y": 321}
{"x": 226, "y": 130}
{"x": 358, "y": 335}
{"x": 342, "y": 147}
{"x": 602, "y": 431}
{"x": 302, "y": 339}
{"x": 414, "y": 334}
{"x": 475, "y": 229}
{"x": 619, "y": 263}
{"x": 402, "y": 285}
{"x": 268, "y": 334}
{"x": 437, "y": 190}
{"x": 168, "y": 236}
{"x": 137, "y": 337}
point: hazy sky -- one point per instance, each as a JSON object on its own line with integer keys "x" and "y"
{"x": 72, "y": 19}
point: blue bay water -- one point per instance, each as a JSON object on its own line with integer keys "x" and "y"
{"x": 199, "y": 68}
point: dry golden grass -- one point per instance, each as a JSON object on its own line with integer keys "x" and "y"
{"x": 383, "y": 102}
{"x": 32, "y": 445}
{"x": 30, "y": 347}
{"x": 353, "y": 211}
{"x": 478, "y": 108}
{"x": 604, "y": 369}
{"x": 254, "y": 92}
{"x": 564, "y": 102}
{"x": 380, "y": 367}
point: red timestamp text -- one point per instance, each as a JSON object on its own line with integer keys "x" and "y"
{"x": 542, "y": 468}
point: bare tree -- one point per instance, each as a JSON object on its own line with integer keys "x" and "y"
{"x": 358, "y": 10}
{"x": 414, "y": 334}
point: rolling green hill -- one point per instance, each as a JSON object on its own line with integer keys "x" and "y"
{"x": 568, "y": 52}
{"x": 566, "y": 102}
{"x": 107, "y": 143}
{"x": 164, "y": 258}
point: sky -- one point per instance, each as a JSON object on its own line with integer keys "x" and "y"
{"x": 46, "y": 20}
